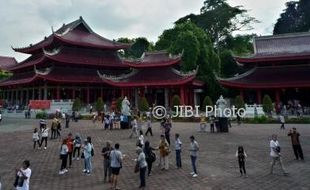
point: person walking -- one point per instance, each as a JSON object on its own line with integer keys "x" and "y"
{"x": 35, "y": 138}
{"x": 178, "y": 145}
{"x": 116, "y": 165}
{"x": 44, "y": 134}
{"x": 282, "y": 121}
{"x": 149, "y": 126}
{"x": 140, "y": 142}
{"x": 134, "y": 130}
{"x": 54, "y": 128}
{"x": 296, "y": 143}
{"x": 67, "y": 118}
{"x": 150, "y": 156}
{"x": 212, "y": 123}
{"x": 70, "y": 148}
{"x": 275, "y": 154}
{"x": 63, "y": 157}
{"x": 168, "y": 126}
{"x": 241, "y": 155}
{"x": 87, "y": 151}
{"x": 194, "y": 148}
{"x": 107, "y": 162}
{"x": 163, "y": 153}
{"x": 23, "y": 175}
{"x": 77, "y": 142}
{"x": 141, "y": 161}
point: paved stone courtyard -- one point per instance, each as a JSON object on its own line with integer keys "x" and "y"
{"x": 217, "y": 165}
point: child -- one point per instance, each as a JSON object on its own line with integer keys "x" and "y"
{"x": 134, "y": 130}
{"x": 35, "y": 138}
{"x": 77, "y": 146}
{"x": 203, "y": 124}
{"x": 241, "y": 160}
{"x": 140, "y": 140}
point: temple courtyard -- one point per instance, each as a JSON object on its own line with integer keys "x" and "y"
{"x": 217, "y": 164}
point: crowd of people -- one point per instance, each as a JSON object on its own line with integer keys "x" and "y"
{"x": 74, "y": 148}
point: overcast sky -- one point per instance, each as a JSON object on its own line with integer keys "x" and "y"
{"x": 28, "y": 21}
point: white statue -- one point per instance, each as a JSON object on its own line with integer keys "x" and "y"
{"x": 221, "y": 104}
{"x": 126, "y": 107}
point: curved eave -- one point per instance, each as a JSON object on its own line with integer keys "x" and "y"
{"x": 142, "y": 84}
{"x": 29, "y": 64}
{"x": 254, "y": 59}
{"x": 235, "y": 84}
{"x": 198, "y": 83}
{"x": 18, "y": 82}
{"x": 35, "y": 47}
{"x": 141, "y": 64}
{"x": 114, "y": 47}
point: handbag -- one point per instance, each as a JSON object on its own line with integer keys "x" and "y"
{"x": 137, "y": 167}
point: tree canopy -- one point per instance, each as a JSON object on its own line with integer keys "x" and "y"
{"x": 219, "y": 19}
{"x": 138, "y": 47}
{"x": 295, "y": 18}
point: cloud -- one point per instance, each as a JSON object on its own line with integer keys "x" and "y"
{"x": 28, "y": 21}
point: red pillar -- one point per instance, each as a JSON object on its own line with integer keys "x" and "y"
{"x": 87, "y": 95}
{"x": 58, "y": 93}
{"x": 182, "y": 92}
{"x": 142, "y": 92}
{"x": 277, "y": 99}
{"x": 73, "y": 94}
{"x": 259, "y": 96}
{"x": 242, "y": 94}
{"x": 122, "y": 93}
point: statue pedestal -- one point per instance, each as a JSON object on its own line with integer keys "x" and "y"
{"x": 222, "y": 125}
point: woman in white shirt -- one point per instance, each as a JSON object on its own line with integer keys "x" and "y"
{"x": 23, "y": 176}
{"x": 63, "y": 156}
{"x": 35, "y": 138}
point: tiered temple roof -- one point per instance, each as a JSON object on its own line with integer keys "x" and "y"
{"x": 76, "y": 54}
{"x": 294, "y": 46}
{"x": 280, "y": 61}
{"x": 7, "y": 62}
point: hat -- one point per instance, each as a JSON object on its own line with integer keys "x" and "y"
{"x": 42, "y": 121}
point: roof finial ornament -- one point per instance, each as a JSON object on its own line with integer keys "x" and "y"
{"x": 52, "y": 29}
{"x": 81, "y": 18}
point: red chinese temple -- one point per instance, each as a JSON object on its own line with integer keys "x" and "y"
{"x": 279, "y": 67}
{"x": 74, "y": 62}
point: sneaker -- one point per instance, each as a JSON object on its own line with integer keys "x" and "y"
{"x": 195, "y": 175}
{"x": 192, "y": 173}
{"x": 65, "y": 170}
{"x": 78, "y": 159}
{"x": 44, "y": 148}
{"x": 61, "y": 172}
{"x": 84, "y": 171}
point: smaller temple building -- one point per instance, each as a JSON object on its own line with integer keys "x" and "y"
{"x": 279, "y": 67}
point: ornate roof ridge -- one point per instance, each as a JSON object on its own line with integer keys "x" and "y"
{"x": 54, "y": 51}
{"x": 286, "y": 35}
{"x": 46, "y": 70}
{"x": 118, "y": 77}
{"x": 238, "y": 76}
{"x": 185, "y": 74}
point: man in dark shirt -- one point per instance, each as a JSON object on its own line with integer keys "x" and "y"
{"x": 296, "y": 144}
{"x": 106, "y": 163}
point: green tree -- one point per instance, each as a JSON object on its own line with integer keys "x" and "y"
{"x": 290, "y": 20}
{"x": 267, "y": 104}
{"x": 183, "y": 38}
{"x": 239, "y": 103}
{"x": 143, "y": 105}
{"x": 219, "y": 19}
{"x": 138, "y": 47}
{"x": 99, "y": 105}
{"x": 206, "y": 102}
{"x": 175, "y": 101}
{"x": 76, "y": 106}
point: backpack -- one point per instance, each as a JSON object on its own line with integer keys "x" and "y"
{"x": 152, "y": 157}
{"x": 92, "y": 151}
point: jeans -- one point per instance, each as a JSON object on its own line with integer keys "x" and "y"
{"x": 193, "y": 159}
{"x": 63, "y": 161}
{"x": 78, "y": 151}
{"x": 43, "y": 139}
{"x": 142, "y": 177}
{"x": 242, "y": 167}
{"x": 70, "y": 158}
{"x": 149, "y": 166}
{"x": 298, "y": 151}
{"x": 53, "y": 134}
{"x": 178, "y": 158}
{"x": 149, "y": 130}
{"x": 107, "y": 169}
{"x": 88, "y": 165}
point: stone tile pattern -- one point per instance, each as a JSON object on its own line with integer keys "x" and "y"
{"x": 217, "y": 165}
